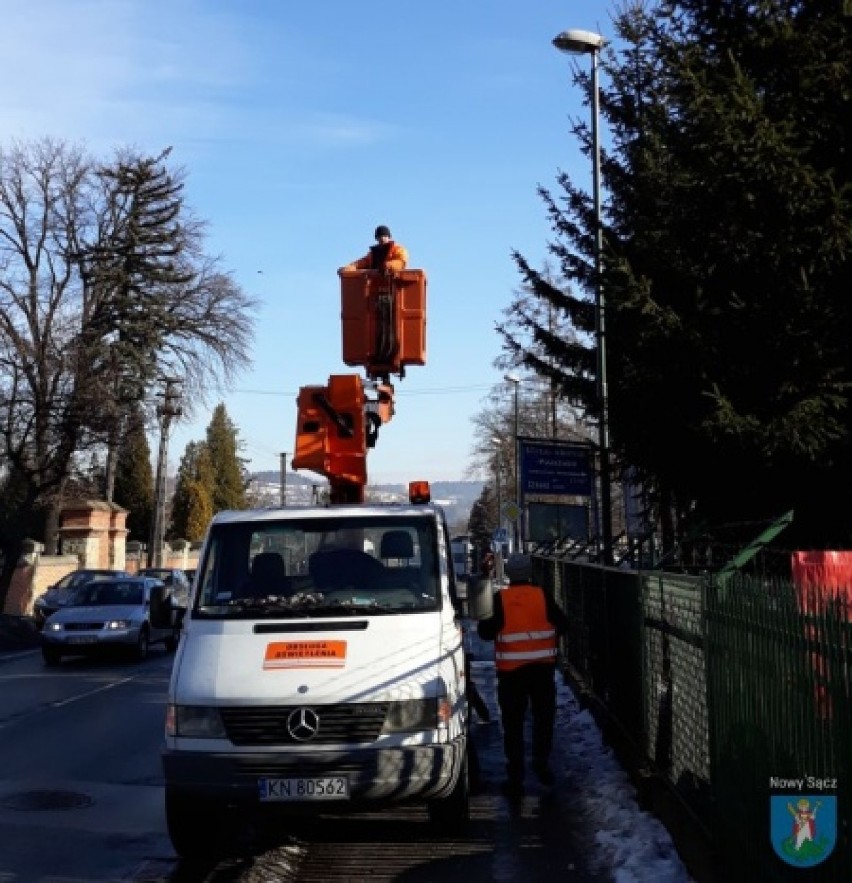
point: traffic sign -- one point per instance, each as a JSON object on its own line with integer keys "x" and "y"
{"x": 555, "y": 468}
{"x": 500, "y": 535}
{"x": 511, "y": 510}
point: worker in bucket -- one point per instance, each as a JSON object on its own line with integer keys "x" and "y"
{"x": 384, "y": 255}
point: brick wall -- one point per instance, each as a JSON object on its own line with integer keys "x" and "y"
{"x": 93, "y": 536}
{"x": 35, "y": 574}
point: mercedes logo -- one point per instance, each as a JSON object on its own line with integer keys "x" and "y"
{"x": 303, "y": 724}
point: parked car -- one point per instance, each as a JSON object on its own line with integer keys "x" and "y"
{"x": 175, "y": 578}
{"x": 112, "y": 613}
{"x": 57, "y": 595}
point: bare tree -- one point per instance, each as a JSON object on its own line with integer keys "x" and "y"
{"x": 43, "y": 195}
{"x": 89, "y": 315}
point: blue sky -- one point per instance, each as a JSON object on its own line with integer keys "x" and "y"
{"x": 302, "y": 126}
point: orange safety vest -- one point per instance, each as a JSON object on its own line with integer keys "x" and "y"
{"x": 527, "y": 635}
{"x": 390, "y": 255}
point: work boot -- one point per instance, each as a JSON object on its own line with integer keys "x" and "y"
{"x": 513, "y": 787}
{"x": 543, "y": 772}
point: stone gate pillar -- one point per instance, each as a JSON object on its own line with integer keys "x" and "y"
{"x": 95, "y": 532}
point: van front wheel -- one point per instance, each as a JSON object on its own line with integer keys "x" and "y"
{"x": 451, "y": 813}
{"x": 195, "y": 826}
{"x": 171, "y": 642}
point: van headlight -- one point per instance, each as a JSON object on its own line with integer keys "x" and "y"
{"x": 411, "y": 716}
{"x": 194, "y": 722}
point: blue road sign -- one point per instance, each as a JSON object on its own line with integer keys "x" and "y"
{"x": 555, "y": 468}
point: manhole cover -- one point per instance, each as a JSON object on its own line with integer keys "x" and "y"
{"x": 42, "y": 800}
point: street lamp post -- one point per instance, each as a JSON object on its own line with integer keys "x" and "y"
{"x": 519, "y": 521}
{"x": 578, "y": 42}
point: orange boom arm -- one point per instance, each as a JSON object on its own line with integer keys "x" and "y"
{"x": 384, "y": 330}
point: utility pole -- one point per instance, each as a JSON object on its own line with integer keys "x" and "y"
{"x": 551, "y": 328}
{"x": 283, "y": 479}
{"x": 169, "y": 409}
{"x": 518, "y": 531}
{"x": 498, "y": 555}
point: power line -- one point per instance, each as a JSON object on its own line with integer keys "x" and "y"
{"x": 434, "y": 391}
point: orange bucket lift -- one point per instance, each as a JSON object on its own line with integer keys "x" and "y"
{"x": 383, "y": 320}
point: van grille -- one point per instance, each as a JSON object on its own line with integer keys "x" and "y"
{"x": 268, "y": 724}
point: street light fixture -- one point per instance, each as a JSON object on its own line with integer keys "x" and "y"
{"x": 519, "y": 521}
{"x": 578, "y": 42}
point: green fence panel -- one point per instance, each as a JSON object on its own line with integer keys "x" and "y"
{"x": 676, "y": 685}
{"x": 778, "y": 683}
{"x": 603, "y": 645}
{"x": 724, "y": 688}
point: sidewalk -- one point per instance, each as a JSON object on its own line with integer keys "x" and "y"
{"x": 17, "y": 633}
{"x": 620, "y": 840}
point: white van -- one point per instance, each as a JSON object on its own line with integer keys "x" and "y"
{"x": 320, "y": 668}
{"x": 462, "y": 550}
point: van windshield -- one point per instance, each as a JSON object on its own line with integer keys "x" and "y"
{"x": 328, "y": 566}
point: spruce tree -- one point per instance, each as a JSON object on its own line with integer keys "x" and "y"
{"x": 229, "y": 481}
{"x": 192, "y": 504}
{"x": 727, "y": 229}
{"x": 131, "y": 272}
{"x": 481, "y": 524}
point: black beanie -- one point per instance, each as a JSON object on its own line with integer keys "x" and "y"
{"x": 382, "y": 230}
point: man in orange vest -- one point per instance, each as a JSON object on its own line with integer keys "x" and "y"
{"x": 384, "y": 255}
{"x": 525, "y": 625}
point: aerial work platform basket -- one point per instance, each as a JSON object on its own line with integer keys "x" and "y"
{"x": 383, "y": 320}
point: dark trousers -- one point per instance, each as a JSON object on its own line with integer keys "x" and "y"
{"x": 532, "y": 685}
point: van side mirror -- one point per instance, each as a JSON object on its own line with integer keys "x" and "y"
{"x": 164, "y": 612}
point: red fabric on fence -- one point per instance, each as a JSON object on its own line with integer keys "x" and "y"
{"x": 822, "y": 575}
{"x": 821, "y": 578}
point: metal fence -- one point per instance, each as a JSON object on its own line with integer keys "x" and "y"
{"x": 723, "y": 689}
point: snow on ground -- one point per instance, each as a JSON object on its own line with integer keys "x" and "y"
{"x": 632, "y": 845}
{"x": 627, "y": 843}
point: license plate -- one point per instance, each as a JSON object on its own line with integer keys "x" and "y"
{"x": 306, "y": 788}
{"x": 82, "y": 639}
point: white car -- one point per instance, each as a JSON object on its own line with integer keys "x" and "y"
{"x": 103, "y": 615}
{"x": 59, "y": 593}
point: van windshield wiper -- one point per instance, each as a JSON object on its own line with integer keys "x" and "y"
{"x": 344, "y": 609}
{"x": 302, "y": 607}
